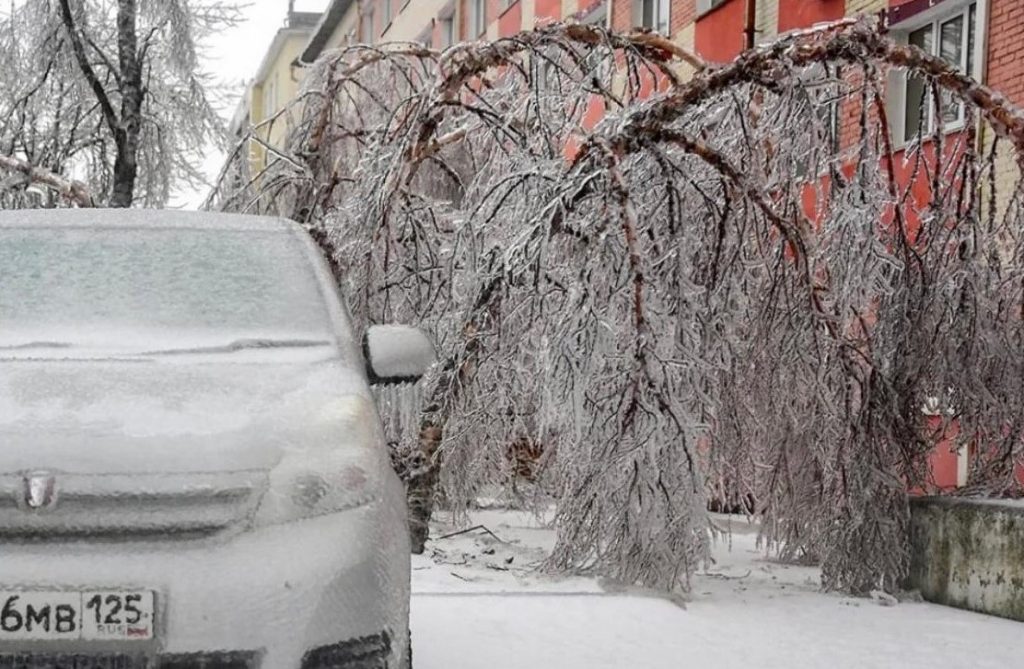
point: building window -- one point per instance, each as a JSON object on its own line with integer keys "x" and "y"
{"x": 547, "y": 74}
{"x": 820, "y": 97}
{"x": 952, "y": 38}
{"x": 652, "y": 14}
{"x": 596, "y": 16}
{"x": 386, "y": 15}
{"x": 270, "y": 97}
{"x": 447, "y": 31}
{"x": 366, "y": 28}
{"x": 705, "y": 6}
{"x": 477, "y": 18}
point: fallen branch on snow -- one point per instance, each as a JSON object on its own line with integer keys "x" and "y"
{"x": 473, "y": 529}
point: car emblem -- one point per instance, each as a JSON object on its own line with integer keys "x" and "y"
{"x": 39, "y": 491}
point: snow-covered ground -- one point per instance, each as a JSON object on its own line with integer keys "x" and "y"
{"x": 478, "y": 604}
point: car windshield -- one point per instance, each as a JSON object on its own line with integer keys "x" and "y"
{"x": 158, "y": 290}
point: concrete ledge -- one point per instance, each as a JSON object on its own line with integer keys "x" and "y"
{"x": 969, "y": 553}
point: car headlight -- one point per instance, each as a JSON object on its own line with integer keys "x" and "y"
{"x": 340, "y": 463}
{"x": 308, "y": 486}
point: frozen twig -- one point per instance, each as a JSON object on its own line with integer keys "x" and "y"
{"x": 472, "y": 529}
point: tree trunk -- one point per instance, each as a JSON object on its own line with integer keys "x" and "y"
{"x": 422, "y": 485}
{"x": 126, "y": 168}
{"x": 125, "y": 172}
{"x": 125, "y": 126}
{"x": 456, "y": 374}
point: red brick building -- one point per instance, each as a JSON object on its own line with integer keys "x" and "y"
{"x": 991, "y": 32}
{"x": 984, "y": 38}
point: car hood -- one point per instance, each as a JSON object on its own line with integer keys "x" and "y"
{"x": 95, "y": 416}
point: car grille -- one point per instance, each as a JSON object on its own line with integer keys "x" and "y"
{"x": 131, "y": 506}
{"x": 221, "y": 660}
{"x": 369, "y": 652}
{"x": 224, "y": 660}
{"x": 70, "y": 662}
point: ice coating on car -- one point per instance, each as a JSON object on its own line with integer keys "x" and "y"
{"x": 397, "y": 352}
{"x": 68, "y": 286}
{"x": 192, "y": 469}
{"x": 143, "y": 410}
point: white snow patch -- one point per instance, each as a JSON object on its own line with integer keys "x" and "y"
{"x": 745, "y": 611}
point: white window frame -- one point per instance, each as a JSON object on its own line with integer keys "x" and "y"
{"x": 477, "y": 18}
{"x": 366, "y": 31}
{"x": 935, "y": 17}
{"x": 447, "y": 25}
{"x": 963, "y": 465}
{"x": 705, "y": 6}
{"x": 661, "y": 11}
{"x": 831, "y": 109}
{"x": 270, "y": 96}
{"x": 598, "y": 16}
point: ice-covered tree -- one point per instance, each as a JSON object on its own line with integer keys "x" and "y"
{"x": 106, "y": 101}
{"x": 725, "y": 289}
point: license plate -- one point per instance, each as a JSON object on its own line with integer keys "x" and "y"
{"x": 62, "y": 615}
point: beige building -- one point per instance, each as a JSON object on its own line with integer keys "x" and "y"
{"x": 275, "y": 84}
{"x": 347, "y": 22}
{"x": 440, "y": 23}
{"x": 337, "y": 27}
{"x": 437, "y": 23}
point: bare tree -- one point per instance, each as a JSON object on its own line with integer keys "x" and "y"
{"x": 112, "y": 92}
{"x": 710, "y": 293}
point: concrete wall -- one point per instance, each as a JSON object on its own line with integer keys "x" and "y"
{"x": 969, "y": 554}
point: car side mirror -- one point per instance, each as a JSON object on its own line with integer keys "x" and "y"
{"x": 397, "y": 353}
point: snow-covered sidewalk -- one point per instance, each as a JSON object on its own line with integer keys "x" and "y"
{"x": 477, "y": 604}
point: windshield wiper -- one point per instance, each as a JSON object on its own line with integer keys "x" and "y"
{"x": 243, "y": 345}
{"x": 35, "y": 344}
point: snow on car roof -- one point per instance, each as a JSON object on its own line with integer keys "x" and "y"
{"x": 141, "y": 219}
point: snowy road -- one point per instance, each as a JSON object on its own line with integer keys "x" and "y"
{"x": 569, "y": 632}
{"x": 470, "y": 611}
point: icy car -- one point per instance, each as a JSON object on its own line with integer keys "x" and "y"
{"x": 192, "y": 468}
